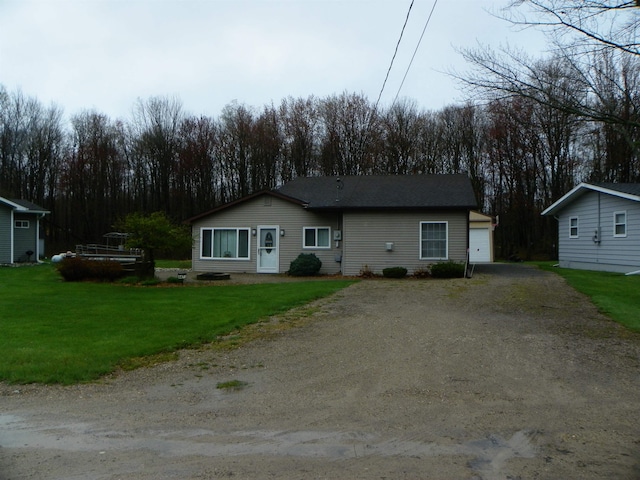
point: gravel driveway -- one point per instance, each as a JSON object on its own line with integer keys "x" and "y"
{"x": 510, "y": 374}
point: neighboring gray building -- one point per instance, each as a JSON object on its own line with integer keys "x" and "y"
{"x": 350, "y": 223}
{"x": 599, "y": 227}
{"x": 19, "y": 231}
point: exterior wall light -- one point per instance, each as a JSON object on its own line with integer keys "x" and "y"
{"x": 254, "y": 232}
{"x": 282, "y": 232}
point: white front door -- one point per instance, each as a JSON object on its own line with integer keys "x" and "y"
{"x": 268, "y": 258}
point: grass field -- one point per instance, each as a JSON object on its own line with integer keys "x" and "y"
{"x": 615, "y": 294}
{"x": 58, "y": 332}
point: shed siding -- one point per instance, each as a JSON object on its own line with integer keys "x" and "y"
{"x": 267, "y": 210}
{"x": 365, "y": 235}
{"x": 5, "y": 234}
{"x": 616, "y": 254}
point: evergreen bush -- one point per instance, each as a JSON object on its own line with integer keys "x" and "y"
{"x": 394, "y": 272}
{"x": 448, "y": 269}
{"x": 307, "y": 264}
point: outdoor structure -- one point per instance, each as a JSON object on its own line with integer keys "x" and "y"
{"x": 350, "y": 223}
{"x": 20, "y": 231}
{"x": 480, "y": 238}
{"x": 599, "y": 227}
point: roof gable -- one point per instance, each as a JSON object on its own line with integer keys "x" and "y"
{"x": 270, "y": 193}
{"x": 383, "y": 191}
{"x": 629, "y": 191}
{"x": 23, "y": 205}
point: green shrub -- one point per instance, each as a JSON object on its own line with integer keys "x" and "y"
{"x": 77, "y": 269}
{"x": 448, "y": 269}
{"x": 305, "y": 265}
{"x": 394, "y": 272}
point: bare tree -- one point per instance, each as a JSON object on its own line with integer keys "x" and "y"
{"x": 156, "y": 125}
{"x": 350, "y": 124}
{"x": 300, "y": 125}
{"x": 584, "y": 25}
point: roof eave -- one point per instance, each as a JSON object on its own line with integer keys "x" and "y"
{"x": 580, "y": 190}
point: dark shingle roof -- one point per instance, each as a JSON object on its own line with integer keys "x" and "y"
{"x": 28, "y": 205}
{"x": 630, "y": 188}
{"x": 383, "y": 191}
{"x": 23, "y": 205}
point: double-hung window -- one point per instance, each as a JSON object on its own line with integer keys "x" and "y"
{"x": 573, "y": 227}
{"x": 317, "y": 237}
{"x": 433, "y": 240}
{"x": 619, "y": 224}
{"x": 227, "y": 243}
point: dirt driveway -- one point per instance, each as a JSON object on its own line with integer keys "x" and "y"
{"x": 510, "y": 374}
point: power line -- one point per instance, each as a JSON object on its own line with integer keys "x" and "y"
{"x": 435, "y": 2}
{"x": 394, "y": 54}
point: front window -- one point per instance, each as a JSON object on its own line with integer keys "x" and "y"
{"x": 227, "y": 243}
{"x": 317, "y": 237}
{"x": 433, "y": 240}
{"x": 573, "y": 227}
{"x": 620, "y": 224}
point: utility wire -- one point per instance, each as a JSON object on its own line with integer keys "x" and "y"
{"x": 435, "y": 2}
{"x": 394, "y": 54}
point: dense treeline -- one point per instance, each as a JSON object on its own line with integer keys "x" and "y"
{"x": 520, "y": 153}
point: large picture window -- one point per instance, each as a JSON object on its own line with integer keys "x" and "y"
{"x": 433, "y": 240}
{"x": 227, "y": 243}
{"x": 317, "y": 237}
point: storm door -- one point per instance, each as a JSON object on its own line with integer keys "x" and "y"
{"x": 268, "y": 258}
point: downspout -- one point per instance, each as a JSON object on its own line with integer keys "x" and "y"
{"x": 597, "y": 236}
{"x": 11, "y": 234}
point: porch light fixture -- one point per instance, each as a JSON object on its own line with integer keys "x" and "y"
{"x": 254, "y": 232}
{"x": 282, "y": 232}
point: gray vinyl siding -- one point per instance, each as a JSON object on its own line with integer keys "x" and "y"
{"x": 616, "y": 254}
{"x": 5, "y": 234}
{"x": 365, "y": 235}
{"x": 272, "y": 211}
{"x": 24, "y": 239}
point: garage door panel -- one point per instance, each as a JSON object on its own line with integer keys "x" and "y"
{"x": 479, "y": 246}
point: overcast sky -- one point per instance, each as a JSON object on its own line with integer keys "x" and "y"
{"x": 105, "y": 54}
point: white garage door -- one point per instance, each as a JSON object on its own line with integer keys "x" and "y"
{"x": 479, "y": 245}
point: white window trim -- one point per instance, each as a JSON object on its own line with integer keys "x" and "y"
{"x": 21, "y": 224}
{"x": 615, "y": 224}
{"x": 227, "y": 259}
{"x": 316, "y": 247}
{"x": 446, "y": 257}
{"x": 577, "y": 227}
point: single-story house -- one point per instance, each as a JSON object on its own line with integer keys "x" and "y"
{"x": 20, "y": 231}
{"x": 350, "y": 223}
{"x": 599, "y": 227}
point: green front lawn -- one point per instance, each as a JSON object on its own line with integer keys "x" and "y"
{"x": 58, "y": 332}
{"x": 615, "y": 294}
